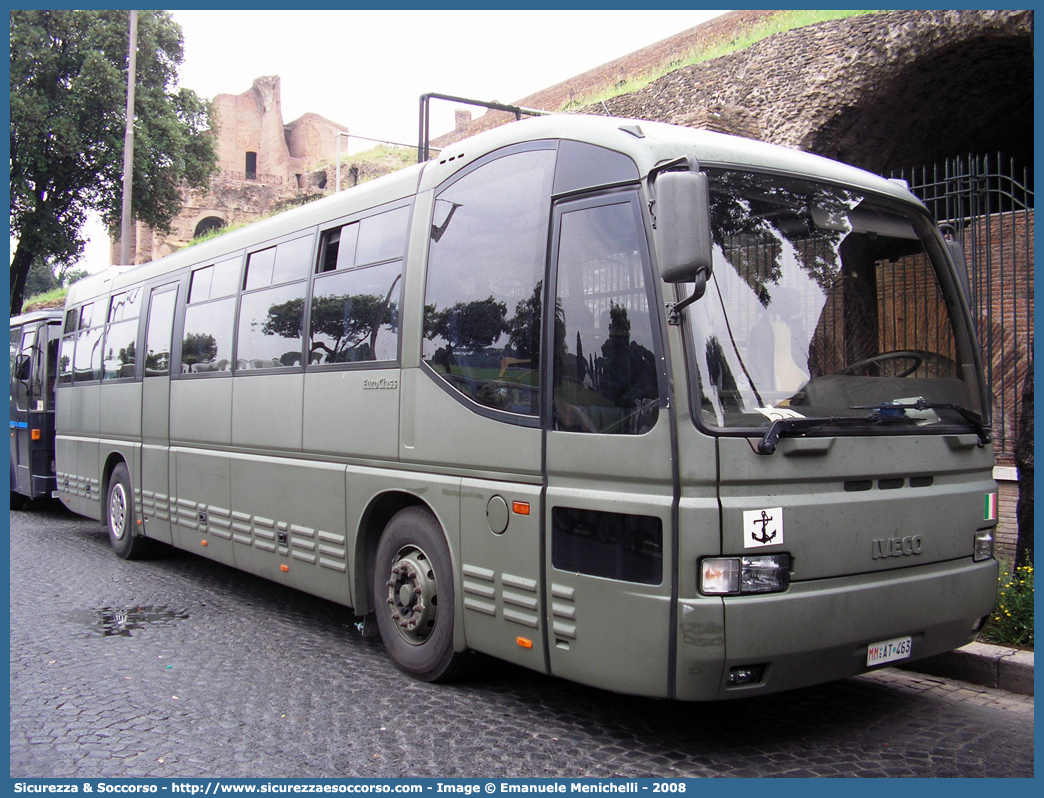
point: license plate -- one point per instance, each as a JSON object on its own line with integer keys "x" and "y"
{"x": 888, "y": 651}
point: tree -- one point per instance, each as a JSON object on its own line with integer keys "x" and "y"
{"x": 68, "y": 103}
{"x": 40, "y": 279}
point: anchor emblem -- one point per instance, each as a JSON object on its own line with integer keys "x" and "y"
{"x": 765, "y": 536}
{"x": 763, "y": 527}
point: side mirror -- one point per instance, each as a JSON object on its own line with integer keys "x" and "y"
{"x": 683, "y": 230}
{"x": 22, "y": 366}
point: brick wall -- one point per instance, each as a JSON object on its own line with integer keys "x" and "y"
{"x": 1007, "y": 524}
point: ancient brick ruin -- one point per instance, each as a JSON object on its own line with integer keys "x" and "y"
{"x": 262, "y": 163}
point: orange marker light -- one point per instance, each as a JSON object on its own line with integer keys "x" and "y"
{"x": 202, "y": 543}
{"x": 36, "y": 435}
{"x": 525, "y": 642}
{"x": 520, "y": 508}
{"x": 284, "y": 568}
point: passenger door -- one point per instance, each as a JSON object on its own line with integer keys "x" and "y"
{"x": 607, "y": 513}
{"x": 20, "y": 408}
{"x": 155, "y": 413}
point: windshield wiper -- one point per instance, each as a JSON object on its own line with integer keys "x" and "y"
{"x": 888, "y": 410}
{"x": 882, "y": 413}
{"x": 783, "y": 426}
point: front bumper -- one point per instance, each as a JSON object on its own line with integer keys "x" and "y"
{"x": 818, "y": 631}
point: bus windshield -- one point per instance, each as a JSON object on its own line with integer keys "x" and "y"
{"x": 828, "y": 304}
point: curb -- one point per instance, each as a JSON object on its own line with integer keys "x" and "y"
{"x": 980, "y": 663}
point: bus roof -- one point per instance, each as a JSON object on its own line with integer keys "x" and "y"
{"x": 647, "y": 143}
{"x": 47, "y": 314}
{"x": 651, "y": 143}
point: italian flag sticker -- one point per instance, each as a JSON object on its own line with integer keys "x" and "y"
{"x": 990, "y": 507}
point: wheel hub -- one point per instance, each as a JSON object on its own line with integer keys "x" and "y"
{"x": 118, "y": 512}
{"x": 413, "y": 595}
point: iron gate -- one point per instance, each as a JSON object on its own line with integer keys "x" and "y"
{"x": 989, "y": 201}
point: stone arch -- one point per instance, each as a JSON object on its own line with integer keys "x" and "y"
{"x": 880, "y": 91}
{"x": 206, "y": 224}
{"x": 966, "y": 96}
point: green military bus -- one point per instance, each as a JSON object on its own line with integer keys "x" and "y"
{"x": 658, "y": 410}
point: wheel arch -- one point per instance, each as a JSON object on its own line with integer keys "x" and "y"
{"x": 374, "y": 519}
{"x": 111, "y": 461}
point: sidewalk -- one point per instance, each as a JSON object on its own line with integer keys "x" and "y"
{"x": 980, "y": 663}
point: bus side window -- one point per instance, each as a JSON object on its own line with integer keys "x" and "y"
{"x": 355, "y": 315}
{"x": 484, "y": 291}
{"x": 605, "y": 373}
{"x": 16, "y": 337}
{"x": 21, "y": 381}
{"x": 87, "y": 357}
{"x": 159, "y": 332}
{"x": 50, "y": 375}
{"x": 271, "y": 309}
{"x": 121, "y": 335}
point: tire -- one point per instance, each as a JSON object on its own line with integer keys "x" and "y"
{"x": 17, "y": 501}
{"x": 119, "y": 516}
{"x": 414, "y": 597}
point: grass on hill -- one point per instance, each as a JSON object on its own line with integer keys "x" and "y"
{"x": 778, "y": 23}
{"x": 55, "y": 298}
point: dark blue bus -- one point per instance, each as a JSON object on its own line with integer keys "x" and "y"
{"x": 34, "y": 366}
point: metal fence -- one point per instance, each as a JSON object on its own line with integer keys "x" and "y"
{"x": 989, "y": 201}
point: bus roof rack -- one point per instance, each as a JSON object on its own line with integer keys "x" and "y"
{"x": 424, "y": 133}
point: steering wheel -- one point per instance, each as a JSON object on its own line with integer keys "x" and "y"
{"x": 899, "y": 354}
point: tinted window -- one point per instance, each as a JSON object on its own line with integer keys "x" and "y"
{"x": 207, "y": 342}
{"x": 292, "y": 259}
{"x": 485, "y": 281}
{"x": 121, "y": 335}
{"x": 65, "y": 358}
{"x": 125, "y": 305}
{"x": 339, "y": 248}
{"x": 199, "y": 289}
{"x": 16, "y": 339}
{"x": 120, "y": 341}
{"x": 214, "y": 282}
{"x": 605, "y": 373}
{"x": 46, "y": 380}
{"x": 226, "y": 278}
{"x": 382, "y": 237}
{"x": 20, "y": 388}
{"x": 86, "y": 314}
{"x": 270, "y": 327}
{"x": 279, "y": 264}
{"x": 259, "y": 269}
{"x": 585, "y": 165}
{"x": 159, "y": 333}
{"x": 355, "y": 315}
{"x": 87, "y": 360}
{"x": 610, "y": 545}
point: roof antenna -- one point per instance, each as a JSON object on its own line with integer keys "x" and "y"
{"x": 606, "y": 109}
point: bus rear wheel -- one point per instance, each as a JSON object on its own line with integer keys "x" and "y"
{"x": 414, "y": 597}
{"x": 119, "y": 513}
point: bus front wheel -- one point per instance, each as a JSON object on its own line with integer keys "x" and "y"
{"x": 119, "y": 512}
{"x": 413, "y": 596}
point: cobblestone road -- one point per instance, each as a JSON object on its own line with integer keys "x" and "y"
{"x": 229, "y": 675}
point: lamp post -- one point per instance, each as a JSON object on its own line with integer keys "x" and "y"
{"x": 128, "y": 140}
{"x": 337, "y": 166}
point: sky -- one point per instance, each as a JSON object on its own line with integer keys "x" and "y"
{"x": 366, "y": 70}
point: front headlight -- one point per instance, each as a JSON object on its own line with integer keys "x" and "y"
{"x": 736, "y": 576}
{"x": 983, "y": 549}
